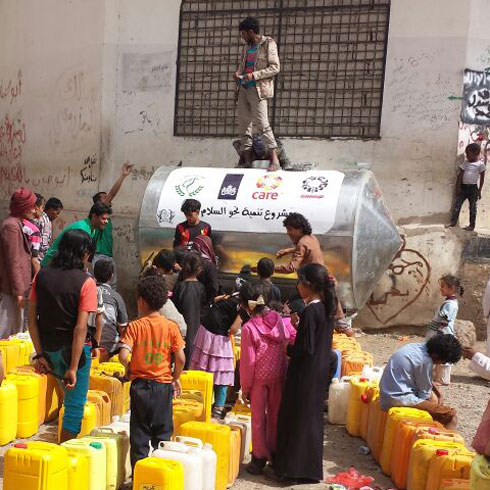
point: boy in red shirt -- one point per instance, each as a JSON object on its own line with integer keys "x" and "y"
{"x": 151, "y": 339}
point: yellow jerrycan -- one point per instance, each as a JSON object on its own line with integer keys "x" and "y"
{"x": 449, "y": 463}
{"x": 195, "y": 406}
{"x": 366, "y": 399}
{"x": 94, "y": 455}
{"x": 396, "y": 415}
{"x": 35, "y": 465}
{"x": 158, "y": 473}
{"x": 181, "y": 415}
{"x": 192, "y": 395}
{"x": 8, "y": 412}
{"x": 358, "y": 388}
{"x": 376, "y": 428}
{"x": 402, "y": 444}
{"x": 89, "y": 420}
{"x": 220, "y": 437}
{"x": 353, "y": 362}
{"x": 114, "y": 477}
{"x": 78, "y": 472}
{"x": 27, "y": 403}
{"x": 112, "y": 386}
{"x": 103, "y": 401}
{"x": 11, "y": 354}
{"x": 480, "y": 473}
{"x": 202, "y": 381}
{"x": 43, "y": 388}
{"x": 26, "y": 349}
{"x": 421, "y": 456}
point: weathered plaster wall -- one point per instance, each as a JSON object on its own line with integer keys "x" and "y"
{"x": 97, "y": 89}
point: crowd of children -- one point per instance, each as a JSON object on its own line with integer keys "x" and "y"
{"x": 187, "y": 321}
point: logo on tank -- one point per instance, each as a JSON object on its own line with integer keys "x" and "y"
{"x": 229, "y": 186}
{"x": 190, "y": 186}
{"x": 267, "y": 186}
{"x": 313, "y": 186}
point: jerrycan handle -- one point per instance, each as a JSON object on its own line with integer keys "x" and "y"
{"x": 239, "y": 417}
{"x": 189, "y": 441}
{"x": 173, "y": 446}
{"x": 104, "y": 430}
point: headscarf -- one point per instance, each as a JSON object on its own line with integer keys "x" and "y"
{"x": 203, "y": 245}
{"x": 22, "y": 200}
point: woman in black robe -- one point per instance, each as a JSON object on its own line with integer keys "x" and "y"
{"x": 299, "y": 453}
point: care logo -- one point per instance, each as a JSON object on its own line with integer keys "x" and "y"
{"x": 315, "y": 184}
{"x": 190, "y": 186}
{"x": 229, "y": 186}
{"x": 267, "y": 185}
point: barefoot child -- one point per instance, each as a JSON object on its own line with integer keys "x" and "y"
{"x": 263, "y": 366}
{"x": 443, "y": 321}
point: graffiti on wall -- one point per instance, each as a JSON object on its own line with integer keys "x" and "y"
{"x": 475, "y": 108}
{"x": 73, "y": 125}
{"x": 472, "y": 133}
{"x": 405, "y": 281}
{"x": 11, "y": 88}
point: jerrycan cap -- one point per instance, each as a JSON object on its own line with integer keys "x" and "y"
{"x": 364, "y": 398}
{"x": 433, "y": 431}
{"x": 96, "y": 445}
{"x": 442, "y": 452}
{"x": 21, "y": 445}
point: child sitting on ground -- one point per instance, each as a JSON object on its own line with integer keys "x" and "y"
{"x": 443, "y": 322}
{"x": 265, "y": 270}
{"x": 114, "y": 315}
{"x": 407, "y": 378}
{"x": 151, "y": 339}
{"x": 263, "y": 366}
{"x": 469, "y": 183}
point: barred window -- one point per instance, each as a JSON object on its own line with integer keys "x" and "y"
{"x": 332, "y": 56}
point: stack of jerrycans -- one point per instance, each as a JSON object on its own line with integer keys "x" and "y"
{"x": 119, "y": 425}
{"x": 103, "y": 405}
{"x": 223, "y": 440}
{"x": 122, "y": 444}
{"x": 53, "y": 392}
{"x": 36, "y": 465}
{"x": 43, "y": 386}
{"x": 203, "y": 382}
{"x": 27, "y": 403}
{"x": 112, "y": 386}
{"x": 115, "y": 458}
{"x": 93, "y": 457}
{"x": 244, "y": 423}
{"x": 111, "y": 368}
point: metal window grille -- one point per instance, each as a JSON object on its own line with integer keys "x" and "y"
{"x": 332, "y": 54}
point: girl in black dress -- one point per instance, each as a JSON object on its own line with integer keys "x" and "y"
{"x": 299, "y": 450}
{"x": 190, "y": 298}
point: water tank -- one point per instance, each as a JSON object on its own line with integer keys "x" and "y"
{"x": 246, "y": 208}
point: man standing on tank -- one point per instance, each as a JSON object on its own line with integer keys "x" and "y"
{"x": 255, "y": 84}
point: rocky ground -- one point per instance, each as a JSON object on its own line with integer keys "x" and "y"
{"x": 467, "y": 393}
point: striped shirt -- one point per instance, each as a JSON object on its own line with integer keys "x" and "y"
{"x": 46, "y": 229}
{"x": 31, "y": 231}
{"x": 250, "y": 65}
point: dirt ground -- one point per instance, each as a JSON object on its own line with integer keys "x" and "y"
{"x": 467, "y": 393}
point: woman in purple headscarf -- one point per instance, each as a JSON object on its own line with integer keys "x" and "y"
{"x": 209, "y": 274}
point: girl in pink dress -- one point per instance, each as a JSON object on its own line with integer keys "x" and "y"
{"x": 263, "y": 366}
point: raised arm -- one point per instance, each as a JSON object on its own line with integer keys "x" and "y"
{"x": 126, "y": 170}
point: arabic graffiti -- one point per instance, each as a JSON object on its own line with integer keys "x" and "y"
{"x": 13, "y": 176}
{"x": 472, "y": 133}
{"x": 88, "y": 172}
{"x": 476, "y": 97}
{"x": 406, "y": 279}
{"x": 11, "y": 89}
{"x": 236, "y": 211}
{"x": 12, "y": 138}
{"x": 74, "y": 121}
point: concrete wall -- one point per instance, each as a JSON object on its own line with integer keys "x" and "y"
{"x": 86, "y": 110}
